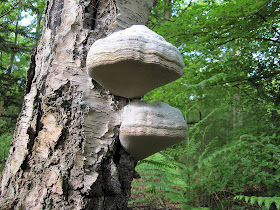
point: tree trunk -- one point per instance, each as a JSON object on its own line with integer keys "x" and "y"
{"x": 13, "y": 54}
{"x": 1, "y": 60}
{"x": 167, "y": 11}
{"x": 65, "y": 153}
{"x": 1, "y": 107}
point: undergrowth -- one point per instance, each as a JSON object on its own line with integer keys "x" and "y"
{"x": 5, "y": 140}
{"x": 266, "y": 202}
{"x": 6, "y": 134}
{"x": 245, "y": 165}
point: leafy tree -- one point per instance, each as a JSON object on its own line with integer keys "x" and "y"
{"x": 229, "y": 96}
{"x": 17, "y": 39}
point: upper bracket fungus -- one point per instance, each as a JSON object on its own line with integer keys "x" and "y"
{"x": 132, "y": 13}
{"x": 134, "y": 61}
{"x": 147, "y": 128}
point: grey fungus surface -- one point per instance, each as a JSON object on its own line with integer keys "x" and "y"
{"x": 147, "y": 128}
{"x": 131, "y": 13}
{"x": 134, "y": 61}
{"x": 130, "y": 63}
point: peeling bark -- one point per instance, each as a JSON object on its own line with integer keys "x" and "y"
{"x": 66, "y": 152}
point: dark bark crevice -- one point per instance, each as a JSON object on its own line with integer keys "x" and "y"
{"x": 90, "y": 14}
{"x": 117, "y": 156}
{"x": 31, "y": 71}
{"x": 55, "y": 15}
{"x": 112, "y": 189}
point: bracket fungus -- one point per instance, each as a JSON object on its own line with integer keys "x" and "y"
{"x": 130, "y": 63}
{"x": 132, "y": 13}
{"x": 134, "y": 61}
{"x": 147, "y": 128}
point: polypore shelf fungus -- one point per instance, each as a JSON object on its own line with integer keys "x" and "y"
{"x": 130, "y": 63}
{"x": 134, "y": 61}
{"x": 147, "y": 128}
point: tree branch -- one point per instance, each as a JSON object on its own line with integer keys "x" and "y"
{"x": 266, "y": 39}
{"x": 264, "y": 76}
{"x": 11, "y": 9}
{"x": 265, "y": 20}
{"x": 184, "y": 10}
{"x": 246, "y": 93}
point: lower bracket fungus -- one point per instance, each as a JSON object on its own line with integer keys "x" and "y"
{"x": 130, "y": 63}
{"x": 134, "y": 61}
{"x": 147, "y": 128}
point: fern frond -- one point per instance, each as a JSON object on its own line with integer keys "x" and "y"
{"x": 220, "y": 152}
{"x": 266, "y": 201}
{"x": 194, "y": 127}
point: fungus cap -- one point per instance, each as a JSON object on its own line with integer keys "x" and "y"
{"x": 147, "y": 128}
{"x": 134, "y": 61}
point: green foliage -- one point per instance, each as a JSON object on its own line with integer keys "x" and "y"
{"x": 266, "y": 201}
{"x": 252, "y": 161}
{"x": 7, "y": 125}
{"x": 230, "y": 99}
{"x": 16, "y": 42}
{"x": 229, "y": 43}
{"x": 5, "y": 140}
{"x": 183, "y": 175}
{"x": 17, "y": 39}
{"x": 174, "y": 171}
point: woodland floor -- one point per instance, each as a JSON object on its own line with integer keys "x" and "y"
{"x": 149, "y": 202}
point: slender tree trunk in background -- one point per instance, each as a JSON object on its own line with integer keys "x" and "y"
{"x": 1, "y": 60}
{"x": 13, "y": 54}
{"x": 65, "y": 153}
{"x": 1, "y": 108}
{"x": 2, "y": 100}
{"x": 9, "y": 69}
{"x": 236, "y": 111}
{"x": 167, "y": 11}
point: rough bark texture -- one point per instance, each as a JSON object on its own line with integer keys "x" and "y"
{"x": 65, "y": 153}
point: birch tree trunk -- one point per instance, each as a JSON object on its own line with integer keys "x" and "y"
{"x": 65, "y": 153}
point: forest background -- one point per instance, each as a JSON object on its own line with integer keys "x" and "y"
{"x": 229, "y": 96}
